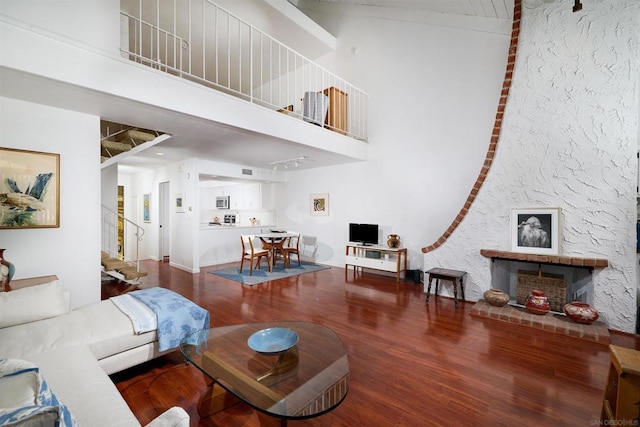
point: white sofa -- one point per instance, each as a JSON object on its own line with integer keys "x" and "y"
{"x": 76, "y": 350}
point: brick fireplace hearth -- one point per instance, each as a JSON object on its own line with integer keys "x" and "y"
{"x": 553, "y": 322}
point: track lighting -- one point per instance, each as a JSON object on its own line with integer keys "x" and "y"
{"x": 295, "y": 162}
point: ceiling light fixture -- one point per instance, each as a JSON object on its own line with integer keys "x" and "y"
{"x": 577, "y": 5}
{"x": 289, "y": 162}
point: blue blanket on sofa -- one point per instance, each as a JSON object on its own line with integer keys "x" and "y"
{"x": 177, "y": 316}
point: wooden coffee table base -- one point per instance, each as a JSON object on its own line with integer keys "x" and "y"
{"x": 216, "y": 399}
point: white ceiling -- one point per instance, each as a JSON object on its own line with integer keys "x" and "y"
{"x": 193, "y": 137}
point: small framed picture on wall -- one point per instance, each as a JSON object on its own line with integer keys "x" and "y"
{"x": 535, "y": 230}
{"x": 180, "y": 202}
{"x": 319, "y": 204}
{"x": 146, "y": 207}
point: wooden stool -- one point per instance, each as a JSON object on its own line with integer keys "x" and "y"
{"x": 622, "y": 393}
{"x": 445, "y": 274}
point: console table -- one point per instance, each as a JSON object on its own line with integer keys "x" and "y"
{"x": 376, "y": 258}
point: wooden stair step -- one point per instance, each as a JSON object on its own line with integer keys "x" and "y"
{"x": 140, "y": 135}
{"x": 130, "y": 273}
{"x": 116, "y": 146}
{"x": 113, "y": 264}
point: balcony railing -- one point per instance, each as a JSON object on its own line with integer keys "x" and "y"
{"x": 202, "y": 42}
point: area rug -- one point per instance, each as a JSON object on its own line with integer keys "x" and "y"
{"x": 264, "y": 275}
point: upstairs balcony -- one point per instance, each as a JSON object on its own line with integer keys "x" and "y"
{"x": 202, "y": 42}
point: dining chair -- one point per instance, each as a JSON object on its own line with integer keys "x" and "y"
{"x": 309, "y": 247}
{"x": 292, "y": 247}
{"x": 250, "y": 253}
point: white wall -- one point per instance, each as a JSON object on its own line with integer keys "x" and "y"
{"x": 569, "y": 139}
{"x": 94, "y": 23}
{"x": 109, "y": 187}
{"x": 72, "y": 251}
{"x": 433, "y": 95}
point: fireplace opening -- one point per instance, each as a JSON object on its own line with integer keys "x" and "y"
{"x": 561, "y": 283}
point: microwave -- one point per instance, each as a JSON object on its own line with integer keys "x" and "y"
{"x": 222, "y": 202}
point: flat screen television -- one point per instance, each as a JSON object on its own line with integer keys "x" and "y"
{"x": 367, "y": 234}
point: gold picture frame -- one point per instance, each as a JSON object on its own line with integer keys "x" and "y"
{"x": 29, "y": 189}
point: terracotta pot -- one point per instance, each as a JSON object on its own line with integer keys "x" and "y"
{"x": 496, "y": 297}
{"x": 537, "y": 302}
{"x": 581, "y": 312}
{"x": 393, "y": 241}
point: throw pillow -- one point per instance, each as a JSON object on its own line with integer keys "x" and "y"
{"x": 33, "y": 303}
{"x": 29, "y": 400}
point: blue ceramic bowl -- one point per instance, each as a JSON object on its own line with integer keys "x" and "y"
{"x": 272, "y": 340}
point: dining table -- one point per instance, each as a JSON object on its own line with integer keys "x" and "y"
{"x": 274, "y": 241}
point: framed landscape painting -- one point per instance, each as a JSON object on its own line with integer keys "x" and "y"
{"x": 29, "y": 189}
{"x": 535, "y": 230}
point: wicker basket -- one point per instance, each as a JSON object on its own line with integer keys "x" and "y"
{"x": 553, "y": 286}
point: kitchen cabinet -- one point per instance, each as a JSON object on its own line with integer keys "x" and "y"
{"x": 241, "y": 196}
{"x": 251, "y": 196}
{"x": 235, "y": 196}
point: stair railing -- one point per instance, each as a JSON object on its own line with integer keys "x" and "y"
{"x": 205, "y": 43}
{"x": 131, "y": 232}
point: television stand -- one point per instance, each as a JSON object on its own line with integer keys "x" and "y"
{"x": 375, "y": 257}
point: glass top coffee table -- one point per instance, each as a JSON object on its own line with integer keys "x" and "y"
{"x": 286, "y": 370}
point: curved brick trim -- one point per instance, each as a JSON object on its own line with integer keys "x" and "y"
{"x": 495, "y": 134}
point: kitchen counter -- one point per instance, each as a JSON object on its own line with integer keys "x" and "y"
{"x": 227, "y": 226}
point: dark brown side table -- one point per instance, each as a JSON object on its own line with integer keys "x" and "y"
{"x": 454, "y": 276}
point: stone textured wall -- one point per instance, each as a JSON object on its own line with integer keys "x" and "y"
{"x": 569, "y": 139}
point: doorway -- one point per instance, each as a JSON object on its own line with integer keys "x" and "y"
{"x": 163, "y": 217}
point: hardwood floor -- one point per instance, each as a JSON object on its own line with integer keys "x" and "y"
{"x": 412, "y": 363}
